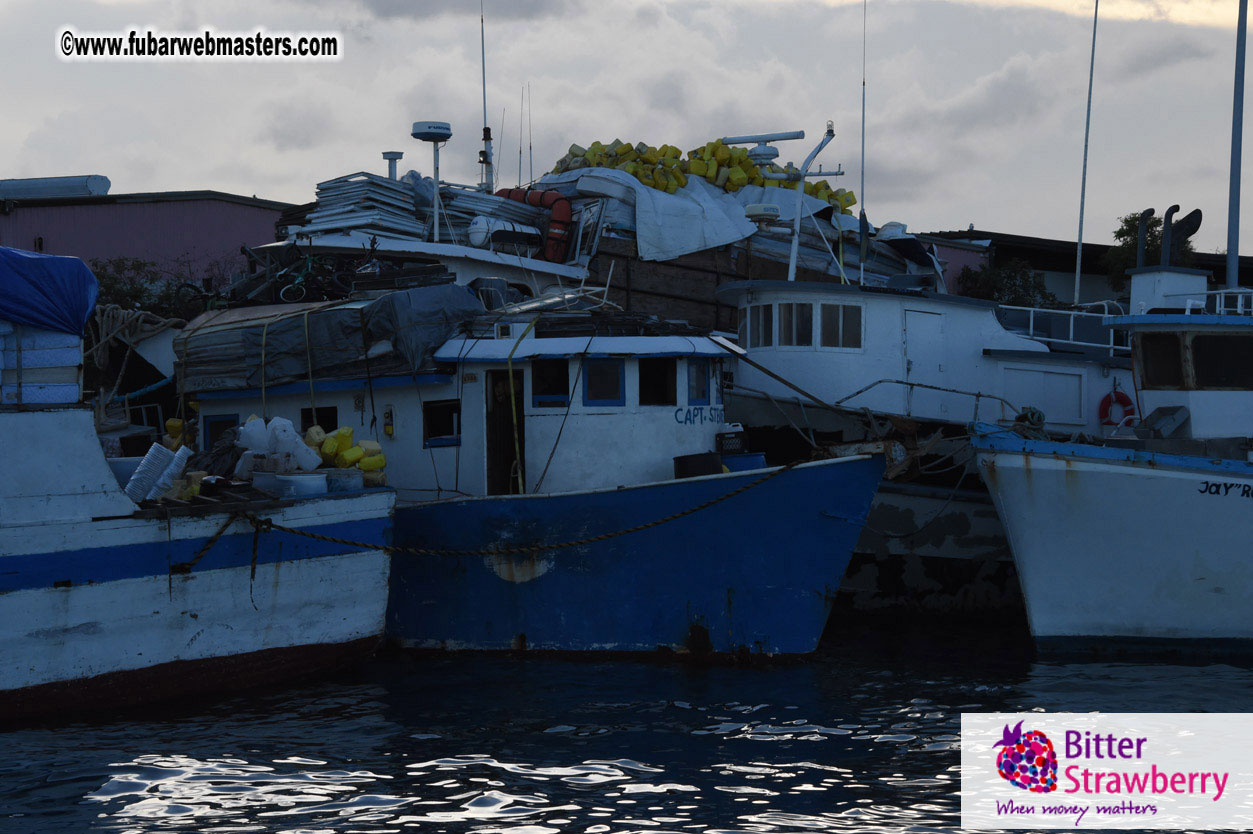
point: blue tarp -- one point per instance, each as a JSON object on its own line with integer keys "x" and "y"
{"x": 51, "y": 292}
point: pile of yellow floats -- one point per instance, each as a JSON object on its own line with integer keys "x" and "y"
{"x": 665, "y": 168}
{"x": 338, "y": 450}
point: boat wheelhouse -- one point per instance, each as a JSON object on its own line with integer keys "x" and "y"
{"x": 936, "y": 358}
{"x": 521, "y": 404}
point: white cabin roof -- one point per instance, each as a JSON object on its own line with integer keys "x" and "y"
{"x": 497, "y": 350}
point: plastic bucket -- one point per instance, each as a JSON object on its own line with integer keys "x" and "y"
{"x": 267, "y": 481}
{"x": 744, "y": 462}
{"x": 343, "y": 480}
{"x": 295, "y": 486}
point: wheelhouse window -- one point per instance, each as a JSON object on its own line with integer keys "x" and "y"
{"x": 604, "y": 382}
{"x": 441, "y": 423}
{"x": 1223, "y": 360}
{"x": 1161, "y": 360}
{"x": 841, "y": 325}
{"x": 741, "y": 335}
{"x": 550, "y": 383}
{"x": 796, "y": 324}
{"x": 215, "y": 426}
{"x": 698, "y": 381}
{"x": 658, "y": 381}
{"x": 327, "y": 417}
{"x": 761, "y": 325}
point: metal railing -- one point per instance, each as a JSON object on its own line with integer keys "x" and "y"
{"x": 1226, "y": 302}
{"x": 1060, "y": 326}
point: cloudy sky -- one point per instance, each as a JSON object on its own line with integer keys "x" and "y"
{"x": 975, "y": 107}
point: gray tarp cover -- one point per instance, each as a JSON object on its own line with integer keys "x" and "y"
{"x": 224, "y": 350}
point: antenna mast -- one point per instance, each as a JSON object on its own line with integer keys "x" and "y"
{"x": 485, "y": 156}
{"x": 1237, "y": 128}
{"x": 530, "y": 133}
{"x": 861, "y": 194}
{"x": 1087, "y": 127}
{"x": 521, "y": 112}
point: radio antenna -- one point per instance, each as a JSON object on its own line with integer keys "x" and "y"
{"x": 485, "y": 158}
{"x": 521, "y": 113}
{"x": 530, "y": 131}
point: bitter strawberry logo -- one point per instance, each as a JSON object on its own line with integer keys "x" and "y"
{"x": 1027, "y": 760}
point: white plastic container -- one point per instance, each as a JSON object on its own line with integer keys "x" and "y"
{"x": 172, "y": 472}
{"x": 294, "y": 486}
{"x": 148, "y": 471}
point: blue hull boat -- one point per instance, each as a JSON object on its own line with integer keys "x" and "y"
{"x": 756, "y": 570}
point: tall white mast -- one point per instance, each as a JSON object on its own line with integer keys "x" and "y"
{"x": 1237, "y": 129}
{"x": 861, "y": 192}
{"x": 1087, "y": 128}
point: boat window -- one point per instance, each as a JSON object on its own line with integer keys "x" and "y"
{"x": 698, "y": 382}
{"x": 1161, "y": 360}
{"x": 1223, "y": 360}
{"x": 603, "y": 382}
{"x": 550, "y": 383}
{"x": 214, "y": 426}
{"x": 796, "y": 324}
{"x": 657, "y": 381}
{"x": 327, "y": 418}
{"x": 742, "y": 328}
{"x": 761, "y": 325}
{"x": 441, "y": 423}
{"x": 841, "y": 325}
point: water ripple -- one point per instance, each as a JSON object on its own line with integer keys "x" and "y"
{"x": 498, "y": 745}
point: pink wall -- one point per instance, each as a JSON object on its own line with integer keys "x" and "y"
{"x": 955, "y": 259}
{"x": 189, "y": 238}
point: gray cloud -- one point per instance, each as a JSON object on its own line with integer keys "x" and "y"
{"x": 1154, "y": 55}
{"x": 495, "y": 9}
{"x": 293, "y": 126}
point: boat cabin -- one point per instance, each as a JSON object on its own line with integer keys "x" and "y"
{"x": 546, "y": 403}
{"x": 1193, "y": 353}
{"x": 916, "y": 353}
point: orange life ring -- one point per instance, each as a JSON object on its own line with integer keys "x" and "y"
{"x": 1116, "y": 396}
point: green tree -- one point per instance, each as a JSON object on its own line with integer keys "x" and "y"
{"x": 1122, "y": 256}
{"x": 1015, "y": 283}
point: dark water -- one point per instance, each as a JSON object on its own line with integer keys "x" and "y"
{"x": 860, "y": 740}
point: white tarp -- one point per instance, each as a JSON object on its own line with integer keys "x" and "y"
{"x": 695, "y": 218}
{"x": 698, "y": 216}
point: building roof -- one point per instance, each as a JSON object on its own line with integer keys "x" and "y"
{"x": 1037, "y": 249}
{"x": 145, "y": 197}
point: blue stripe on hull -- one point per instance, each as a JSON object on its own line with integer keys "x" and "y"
{"x": 992, "y": 438}
{"x": 757, "y": 570}
{"x": 129, "y": 561}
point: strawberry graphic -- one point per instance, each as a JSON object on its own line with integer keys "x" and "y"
{"x": 1027, "y": 760}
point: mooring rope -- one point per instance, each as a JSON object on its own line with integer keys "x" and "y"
{"x": 265, "y": 525}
